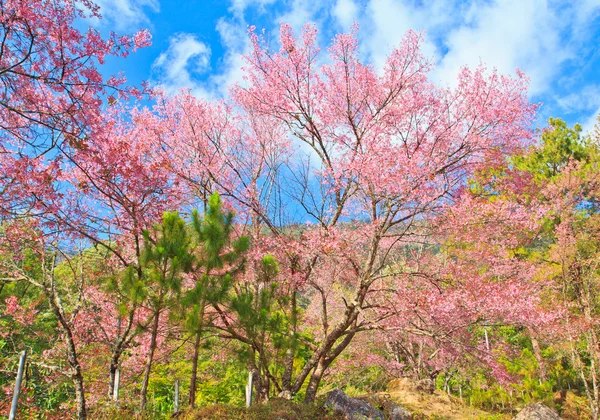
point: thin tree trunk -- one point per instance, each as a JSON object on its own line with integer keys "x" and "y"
{"x": 80, "y": 395}
{"x": 72, "y": 358}
{"x": 77, "y": 376}
{"x": 194, "y": 378}
{"x": 114, "y": 364}
{"x": 149, "y": 362}
{"x": 262, "y": 394}
{"x": 286, "y": 380}
{"x": 537, "y": 352}
{"x": 256, "y": 378}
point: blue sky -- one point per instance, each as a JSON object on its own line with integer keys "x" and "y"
{"x": 198, "y": 44}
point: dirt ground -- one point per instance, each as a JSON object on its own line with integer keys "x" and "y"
{"x": 437, "y": 405}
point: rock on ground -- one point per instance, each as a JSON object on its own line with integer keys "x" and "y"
{"x": 399, "y": 413}
{"x": 352, "y": 408}
{"x": 537, "y": 411}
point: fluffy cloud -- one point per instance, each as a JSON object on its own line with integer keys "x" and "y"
{"x": 238, "y": 7}
{"x": 586, "y": 100}
{"x": 177, "y": 67}
{"x": 126, "y": 15}
{"x": 386, "y": 22}
{"x": 593, "y": 121}
{"x": 507, "y": 35}
{"x": 300, "y": 12}
{"x": 235, "y": 41}
{"x": 544, "y": 38}
{"x": 345, "y": 12}
{"x": 185, "y": 64}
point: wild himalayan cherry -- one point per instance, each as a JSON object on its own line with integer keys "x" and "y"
{"x": 341, "y": 163}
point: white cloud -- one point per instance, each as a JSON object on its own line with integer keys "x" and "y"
{"x": 587, "y": 11}
{"x": 185, "y": 58}
{"x": 235, "y": 41}
{"x": 586, "y": 100}
{"x": 238, "y": 7}
{"x": 388, "y": 20}
{"x": 585, "y": 104}
{"x": 300, "y": 13}
{"x": 346, "y": 12}
{"x": 537, "y": 36}
{"x": 507, "y": 35}
{"x": 185, "y": 63}
{"x": 126, "y": 15}
{"x": 593, "y": 120}
{"x": 540, "y": 37}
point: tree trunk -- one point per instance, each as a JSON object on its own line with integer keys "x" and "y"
{"x": 286, "y": 380}
{"x": 121, "y": 343}
{"x": 194, "y": 378}
{"x": 72, "y": 358}
{"x": 114, "y": 364}
{"x": 256, "y": 379}
{"x": 537, "y": 352}
{"x": 149, "y": 362}
{"x": 80, "y": 396}
{"x": 315, "y": 380}
{"x": 262, "y": 394}
{"x": 77, "y": 376}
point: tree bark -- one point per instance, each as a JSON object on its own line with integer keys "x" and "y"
{"x": 114, "y": 364}
{"x": 150, "y": 359}
{"x": 80, "y": 396}
{"x": 537, "y": 352}
{"x": 72, "y": 358}
{"x": 262, "y": 394}
{"x": 314, "y": 382}
{"x": 194, "y": 378}
{"x": 76, "y": 375}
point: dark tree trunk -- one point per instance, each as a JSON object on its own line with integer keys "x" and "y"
{"x": 77, "y": 377}
{"x": 72, "y": 358}
{"x": 194, "y": 378}
{"x": 262, "y": 394}
{"x": 114, "y": 364}
{"x": 149, "y": 361}
{"x": 80, "y": 396}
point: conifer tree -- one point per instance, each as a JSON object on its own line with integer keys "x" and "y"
{"x": 217, "y": 258}
{"x": 264, "y": 326}
{"x": 165, "y": 259}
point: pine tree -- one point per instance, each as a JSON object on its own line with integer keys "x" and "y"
{"x": 218, "y": 257}
{"x": 164, "y": 260}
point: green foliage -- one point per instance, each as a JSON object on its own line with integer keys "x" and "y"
{"x": 214, "y": 250}
{"x": 258, "y": 310}
{"x": 222, "y": 383}
{"x": 165, "y": 256}
{"x": 559, "y": 146}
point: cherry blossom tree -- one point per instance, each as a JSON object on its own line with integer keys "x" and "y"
{"x": 361, "y": 156}
{"x": 119, "y": 187}
{"x": 566, "y": 168}
{"x": 61, "y": 278}
{"x": 52, "y": 90}
{"x": 467, "y": 278}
